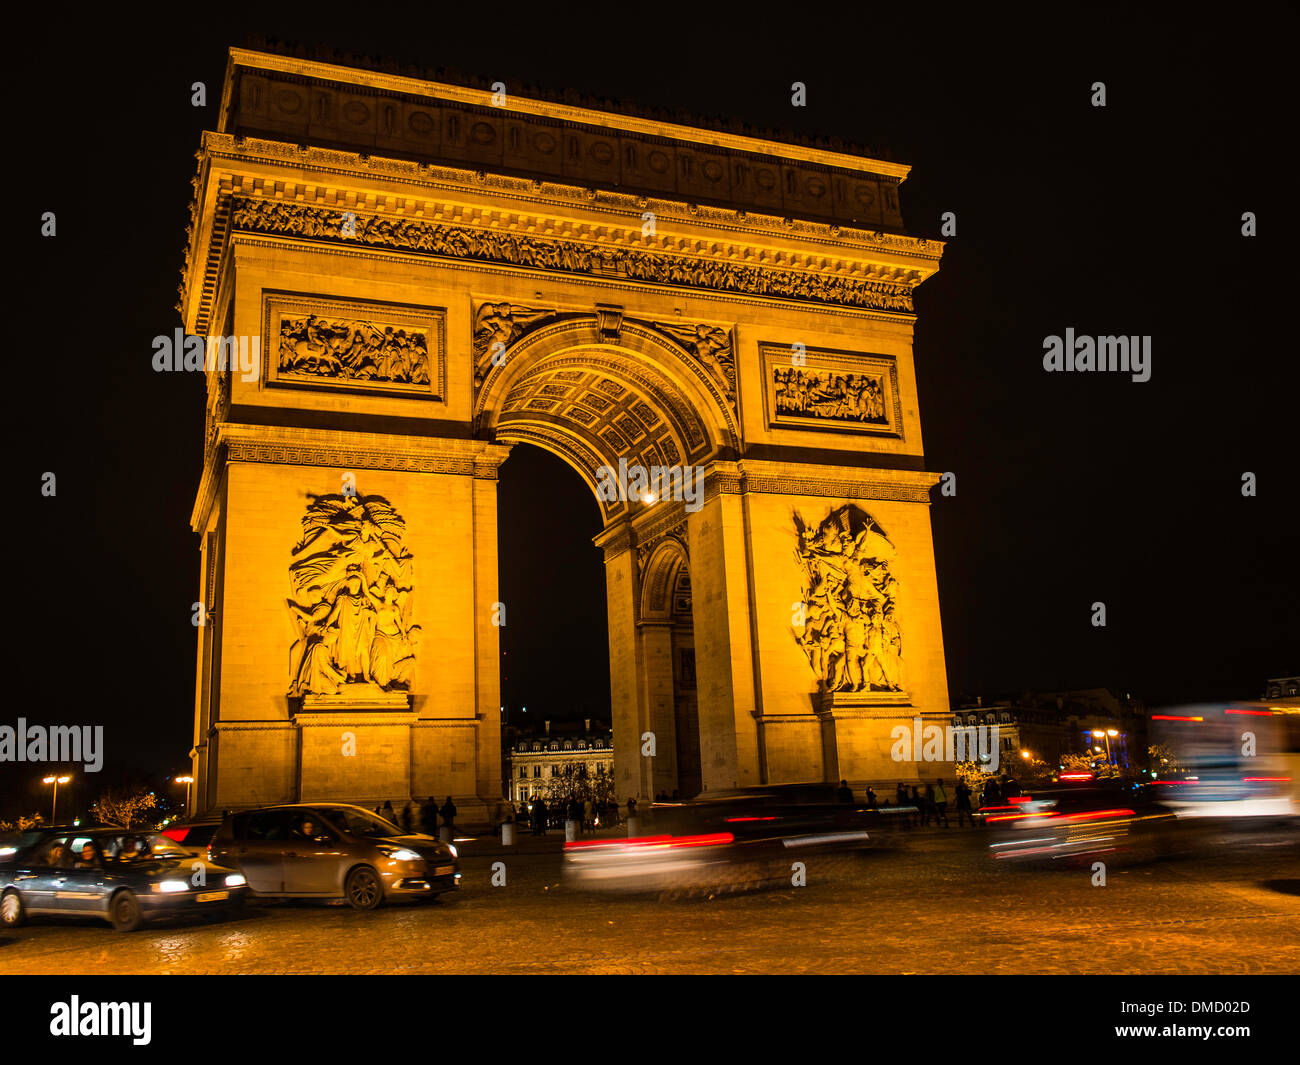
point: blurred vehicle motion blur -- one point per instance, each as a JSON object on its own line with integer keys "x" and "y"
{"x": 727, "y": 840}
{"x": 1227, "y": 778}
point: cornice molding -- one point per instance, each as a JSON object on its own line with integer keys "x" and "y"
{"x": 868, "y": 260}
{"x": 600, "y": 253}
{"x": 286, "y": 445}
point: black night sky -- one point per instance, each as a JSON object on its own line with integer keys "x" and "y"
{"x": 1071, "y": 488}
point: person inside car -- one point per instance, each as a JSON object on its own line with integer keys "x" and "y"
{"x": 87, "y": 859}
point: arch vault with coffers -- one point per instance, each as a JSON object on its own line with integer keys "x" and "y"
{"x": 430, "y": 278}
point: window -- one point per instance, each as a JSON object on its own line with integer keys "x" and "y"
{"x": 523, "y": 772}
{"x": 537, "y": 771}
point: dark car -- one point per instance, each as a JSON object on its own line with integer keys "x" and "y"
{"x": 727, "y": 840}
{"x": 333, "y": 850}
{"x": 124, "y": 877}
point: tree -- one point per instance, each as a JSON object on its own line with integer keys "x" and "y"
{"x": 123, "y": 808}
{"x": 22, "y": 824}
{"x": 1160, "y": 758}
{"x": 1076, "y": 763}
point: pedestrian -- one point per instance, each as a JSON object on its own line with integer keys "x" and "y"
{"x": 429, "y": 817}
{"x": 940, "y": 803}
{"x": 900, "y": 796}
{"x": 963, "y": 803}
{"x": 918, "y": 806}
{"x": 871, "y": 800}
{"x": 927, "y": 810}
{"x": 448, "y": 812}
{"x": 388, "y": 813}
{"x": 589, "y": 816}
{"x": 844, "y": 793}
{"x": 377, "y": 811}
{"x": 992, "y": 795}
{"x": 539, "y": 817}
{"x": 408, "y": 817}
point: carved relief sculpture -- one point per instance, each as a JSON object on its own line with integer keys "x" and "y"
{"x": 356, "y": 351}
{"x": 711, "y": 347}
{"x": 841, "y": 391}
{"x": 307, "y": 220}
{"x": 351, "y": 579}
{"x": 496, "y": 327}
{"x": 323, "y": 344}
{"x": 855, "y": 397}
{"x": 850, "y": 631}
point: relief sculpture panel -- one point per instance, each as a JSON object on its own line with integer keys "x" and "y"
{"x": 351, "y": 579}
{"x": 314, "y": 343}
{"x": 850, "y": 629}
{"x": 842, "y": 391}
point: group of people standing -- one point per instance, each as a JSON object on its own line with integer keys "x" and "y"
{"x": 921, "y": 804}
{"x": 590, "y": 814}
{"x": 427, "y": 817}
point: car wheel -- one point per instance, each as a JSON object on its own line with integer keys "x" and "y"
{"x": 363, "y": 889}
{"x": 124, "y": 912}
{"x": 11, "y": 910}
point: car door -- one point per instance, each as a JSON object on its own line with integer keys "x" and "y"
{"x": 313, "y": 856}
{"x": 35, "y": 878}
{"x": 257, "y": 848}
{"x": 79, "y": 880}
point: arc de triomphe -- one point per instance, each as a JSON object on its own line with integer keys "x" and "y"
{"x": 430, "y": 274}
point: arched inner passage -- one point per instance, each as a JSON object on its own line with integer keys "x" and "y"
{"x": 667, "y": 628}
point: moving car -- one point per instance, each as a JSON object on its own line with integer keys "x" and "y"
{"x": 124, "y": 877}
{"x": 727, "y": 840}
{"x": 333, "y": 850}
{"x": 1081, "y": 817}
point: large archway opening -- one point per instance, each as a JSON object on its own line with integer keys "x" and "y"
{"x": 610, "y": 405}
{"x": 554, "y": 646}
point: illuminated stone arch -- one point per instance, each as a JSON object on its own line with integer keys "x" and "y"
{"x": 593, "y": 399}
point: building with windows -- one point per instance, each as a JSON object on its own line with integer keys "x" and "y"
{"x": 1047, "y": 726}
{"x": 534, "y": 762}
{"x": 1282, "y": 691}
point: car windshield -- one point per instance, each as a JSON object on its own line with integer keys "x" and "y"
{"x": 360, "y": 823}
{"x": 141, "y": 847}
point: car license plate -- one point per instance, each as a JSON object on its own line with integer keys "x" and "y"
{"x": 213, "y": 896}
{"x": 444, "y": 870}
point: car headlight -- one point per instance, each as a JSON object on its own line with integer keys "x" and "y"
{"x": 454, "y": 852}
{"x": 401, "y": 854}
{"x": 235, "y": 880}
{"x": 170, "y": 887}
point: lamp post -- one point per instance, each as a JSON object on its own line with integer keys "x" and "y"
{"x": 187, "y": 781}
{"x": 54, "y": 804}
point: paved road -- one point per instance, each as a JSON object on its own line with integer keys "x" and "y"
{"x": 936, "y": 905}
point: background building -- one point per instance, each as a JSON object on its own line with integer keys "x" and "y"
{"x": 536, "y": 764}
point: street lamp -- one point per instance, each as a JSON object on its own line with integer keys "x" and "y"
{"x": 1109, "y": 733}
{"x": 54, "y": 804}
{"x": 187, "y": 781}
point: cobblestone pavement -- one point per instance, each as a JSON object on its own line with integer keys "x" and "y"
{"x": 937, "y": 904}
